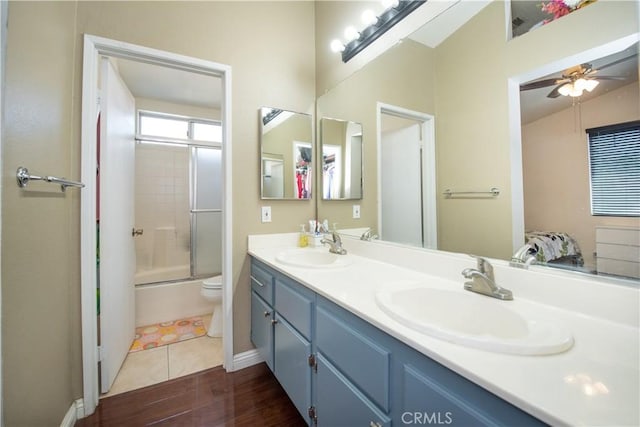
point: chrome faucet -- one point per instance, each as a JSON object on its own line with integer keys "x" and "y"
{"x": 368, "y": 235}
{"x": 335, "y": 245}
{"x": 523, "y": 257}
{"x": 483, "y": 282}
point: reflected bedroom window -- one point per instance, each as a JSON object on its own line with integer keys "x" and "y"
{"x": 614, "y": 165}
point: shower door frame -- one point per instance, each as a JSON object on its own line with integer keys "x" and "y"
{"x": 94, "y": 48}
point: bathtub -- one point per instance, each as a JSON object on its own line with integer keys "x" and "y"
{"x": 163, "y": 274}
{"x": 161, "y": 302}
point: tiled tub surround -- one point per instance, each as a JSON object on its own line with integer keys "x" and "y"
{"x": 596, "y": 382}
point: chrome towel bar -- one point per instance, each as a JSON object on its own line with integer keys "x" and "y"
{"x": 493, "y": 192}
{"x": 23, "y": 177}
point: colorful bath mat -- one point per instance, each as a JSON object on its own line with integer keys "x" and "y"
{"x": 167, "y": 333}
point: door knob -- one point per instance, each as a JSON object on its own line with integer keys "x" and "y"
{"x": 137, "y": 232}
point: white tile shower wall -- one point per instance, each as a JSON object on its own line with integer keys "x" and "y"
{"x": 162, "y": 206}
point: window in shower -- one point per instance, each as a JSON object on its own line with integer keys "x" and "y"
{"x": 178, "y": 198}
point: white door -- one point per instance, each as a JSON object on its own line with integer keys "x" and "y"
{"x": 117, "y": 252}
{"x": 401, "y": 179}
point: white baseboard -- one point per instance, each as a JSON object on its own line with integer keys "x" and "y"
{"x": 75, "y": 412}
{"x": 246, "y": 359}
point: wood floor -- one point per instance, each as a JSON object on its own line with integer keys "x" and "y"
{"x": 211, "y": 398}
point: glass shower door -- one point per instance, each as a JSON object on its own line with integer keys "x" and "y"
{"x": 206, "y": 211}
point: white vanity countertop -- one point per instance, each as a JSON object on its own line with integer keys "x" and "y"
{"x": 596, "y": 382}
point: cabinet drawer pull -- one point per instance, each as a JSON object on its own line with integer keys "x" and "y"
{"x": 267, "y": 313}
{"x": 374, "y": 424}
{"x": 257, "y": 282}
{"x": 274, "y": 321}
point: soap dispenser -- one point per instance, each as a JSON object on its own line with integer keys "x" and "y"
{"x": 303, "y": 239}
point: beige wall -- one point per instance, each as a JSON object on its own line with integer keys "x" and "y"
{"x": 472, "y": 120}
{"x": 355, "y": 99}
{"x": 40, "y": 285}
{"x": 556, "y": 167}
{"x": 40, "y": 246}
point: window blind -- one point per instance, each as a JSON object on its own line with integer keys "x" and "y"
{"x": 614, "y": 165}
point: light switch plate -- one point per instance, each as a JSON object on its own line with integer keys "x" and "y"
{"x": 266, "y": 213}
{"x": 356, "y": 211}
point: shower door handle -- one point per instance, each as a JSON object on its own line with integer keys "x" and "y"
{"x": 137, "y": 232}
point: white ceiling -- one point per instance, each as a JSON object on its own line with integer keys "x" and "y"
{"x": 170, "y": 84}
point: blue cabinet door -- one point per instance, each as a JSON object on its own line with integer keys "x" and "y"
{"x": 291, "y": 364}
{"x": 341, "y": 404}
{"x": 428, "y": 393}
{"x": 262, "y": 328}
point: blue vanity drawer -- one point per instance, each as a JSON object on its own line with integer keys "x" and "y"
{"x": 295, "y": 303}
{"x": 340, "y": 403}
{"x": 262, "y": 282}
{"x": 356, "y": 355}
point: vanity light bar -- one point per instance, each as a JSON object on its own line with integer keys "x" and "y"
{"x": 385, "y": 21}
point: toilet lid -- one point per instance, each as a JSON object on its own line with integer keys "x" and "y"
{"x": 212, "y": 283}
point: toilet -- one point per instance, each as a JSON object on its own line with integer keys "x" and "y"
{"x": 212, "y": 291}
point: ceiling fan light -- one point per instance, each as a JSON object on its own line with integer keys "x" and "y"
{"x": 580, "y": 84}
{"x": 565, "y": 90}
{"x": 591, "y": 85}
{"x": 575, "y": 92}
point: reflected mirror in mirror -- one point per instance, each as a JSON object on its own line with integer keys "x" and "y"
{"x": 285, "y": 154}
{"x": 341, "y": 147}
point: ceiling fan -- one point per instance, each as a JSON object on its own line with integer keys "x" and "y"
{"x": 575, "y": 80}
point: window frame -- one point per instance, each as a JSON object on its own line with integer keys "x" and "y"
{"x": 603, "y": 131}
{"x": 190, "y": 120}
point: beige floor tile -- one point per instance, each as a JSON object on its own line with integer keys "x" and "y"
{"x": 206, "y": 319}
{"x": 194, "y": 355}
{"x": 141, "y": 369}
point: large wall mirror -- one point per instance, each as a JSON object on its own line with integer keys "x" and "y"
{"x": 341, "y": 148}
{"x": 286, "y": 149}
{"x": 491, "y": 134}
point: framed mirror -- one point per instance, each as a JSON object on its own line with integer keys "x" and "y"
{"x": 286, "y": 148}
{"x": 341, "y": 148}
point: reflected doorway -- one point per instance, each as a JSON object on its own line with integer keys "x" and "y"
{"x": 406, "y": 177}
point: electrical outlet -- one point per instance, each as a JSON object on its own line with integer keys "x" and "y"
{"x": 356, "y": 211}
{"x": 266, "y": 213}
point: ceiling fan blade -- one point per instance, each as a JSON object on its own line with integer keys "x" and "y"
{"x": 555, "y": 92}
{"x": 609, "y": 78}
{"x": 542, "y": 83}
{"x": 611, "y": 64}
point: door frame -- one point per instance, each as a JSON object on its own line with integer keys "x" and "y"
{"x": 427, "y": 125}
{"x": 94, "y": 47}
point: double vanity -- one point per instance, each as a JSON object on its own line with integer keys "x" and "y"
{"x": 388, "y": 335}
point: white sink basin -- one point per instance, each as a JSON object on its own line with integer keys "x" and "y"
{"x": 313, "y": 258}
{"x": 473, "y": 320}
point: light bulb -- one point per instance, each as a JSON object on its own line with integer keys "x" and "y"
{"x": 389, "y": 3}
{"x": 590, "y": 85}
{"x": 369, "y": 17}
{"x": 350, "y": 33}
{"x": 580, "y": 84}
{"x": 337, "y": 46}
{"x": 565, "y": 89}
{"x": 575, "y": 92}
